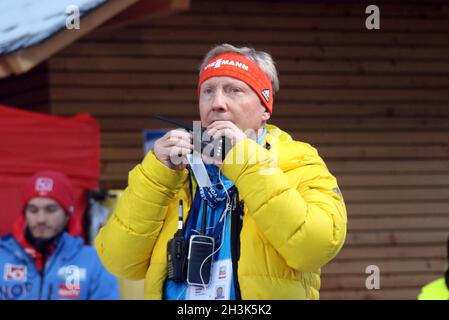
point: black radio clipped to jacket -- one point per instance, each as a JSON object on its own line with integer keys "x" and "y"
{"x": 177, "y": 252}
{"x": 213, "y": 148}
{"x": 191, "y": 260}
{"x": 204, "y": 144}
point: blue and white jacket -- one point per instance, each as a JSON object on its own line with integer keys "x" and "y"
{"x": 73, "y": 271}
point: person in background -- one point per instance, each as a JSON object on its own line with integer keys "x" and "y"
{"x": 40, "y": 260}
{"x": 439, "y": 288}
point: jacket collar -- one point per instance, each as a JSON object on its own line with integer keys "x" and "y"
{"x": 67, "y": 247}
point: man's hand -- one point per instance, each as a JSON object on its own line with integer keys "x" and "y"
{"x": 173, "y": 147}
{"x": 226, "y": 129}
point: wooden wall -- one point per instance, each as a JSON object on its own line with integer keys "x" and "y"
{"x": 374, "y": 103}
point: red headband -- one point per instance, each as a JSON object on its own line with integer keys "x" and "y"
{"x": 240, "y": 67}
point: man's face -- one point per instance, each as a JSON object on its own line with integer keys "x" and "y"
{"x": 45, "y": 218}
{"x": 229, "y": 99}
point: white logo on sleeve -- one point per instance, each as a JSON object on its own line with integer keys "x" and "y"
{"x": 14, "y": 272}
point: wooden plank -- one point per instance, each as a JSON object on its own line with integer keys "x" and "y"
{"x": 135, "y": 154}
{"x": 116, "y": 171}
{"x": 404, "y": 251}
{"x": 385, "y": 137}
{"x": 279, "y": 51}
{"x": 267, "y": 38}
{"x": 111, "y": 139}
{"x": 125, "y": 79}
{"x": 115, "y": 64}
{"x": 394, "y": 180}
{"x": 305, "y": 23}
{"x": 396, "y": 237}
{"x": 404, "y": 208}
{"x": 364, "y": 294}
{"x": 385, "y": 266}
{"x": 395, "y": 194}
{"x": 112, "y": 185}
{"x": 328, "y": 9}
{"x": 388, "y": 166}
{"x": 384, "y": 152}
{"x": 392, "y": 281}
{"x": 402, "y": 223}
{"x": 304, "y": 66}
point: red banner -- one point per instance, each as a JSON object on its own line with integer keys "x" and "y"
{"x": 30, "y": 142}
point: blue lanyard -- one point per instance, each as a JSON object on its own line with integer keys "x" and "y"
{"x": 197, "y": 208}
{"x": 194, "y": 218}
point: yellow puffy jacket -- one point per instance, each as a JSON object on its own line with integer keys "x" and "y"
{"x": 294, "y": 219}
{"x": 436, "y": 290}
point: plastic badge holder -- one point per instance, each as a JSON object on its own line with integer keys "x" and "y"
{"x": 199, "y": 170}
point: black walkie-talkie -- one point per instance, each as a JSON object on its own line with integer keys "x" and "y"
{"x": 177, "y": 252}
{"x": 214, "y": 148}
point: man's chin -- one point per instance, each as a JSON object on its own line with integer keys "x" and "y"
{"x": 42, "y": 237}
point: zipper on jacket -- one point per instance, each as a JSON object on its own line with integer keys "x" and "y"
{"x": 52, "y": 260}
{"x": 42, "y": 273}
{"x": 49, "y": 291}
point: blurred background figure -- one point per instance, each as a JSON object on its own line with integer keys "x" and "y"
{"x": 439, "y": 288}
{"x": 40, "y": 259}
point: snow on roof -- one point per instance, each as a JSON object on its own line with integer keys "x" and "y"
{"x": 24, "y": 23}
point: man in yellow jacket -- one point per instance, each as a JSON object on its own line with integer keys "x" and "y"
{"x": 272, "y": 211}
